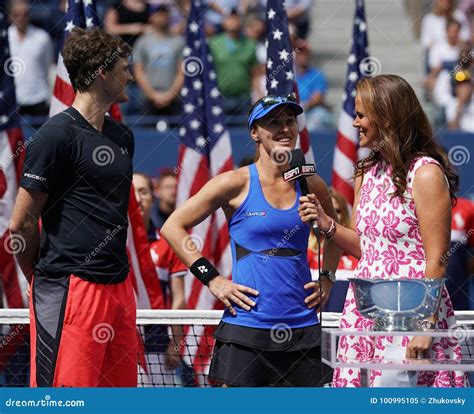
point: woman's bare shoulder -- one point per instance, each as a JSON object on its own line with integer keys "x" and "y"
{"x": 232, "y": 182}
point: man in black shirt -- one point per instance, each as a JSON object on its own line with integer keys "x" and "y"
{"x": 76, "y": 178}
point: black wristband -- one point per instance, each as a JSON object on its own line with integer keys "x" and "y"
{"x": 204, "y": 270}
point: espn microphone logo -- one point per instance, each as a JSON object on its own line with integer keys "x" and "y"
{"x": 299, "y": 171}
{"x": 292, "y": 174}
{"x": 308, "y": 169}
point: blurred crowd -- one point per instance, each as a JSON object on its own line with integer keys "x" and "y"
{"x": 236, "y": 28}
{"x": 447, "y": 39}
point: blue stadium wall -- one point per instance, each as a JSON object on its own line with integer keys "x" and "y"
{"x": 154, "y": 150}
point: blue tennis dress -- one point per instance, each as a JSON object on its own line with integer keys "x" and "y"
{"x": 269, "y": 254}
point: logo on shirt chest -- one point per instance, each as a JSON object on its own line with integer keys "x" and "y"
{"x": 124, "y": 151}
{"x": 255, "y": 213}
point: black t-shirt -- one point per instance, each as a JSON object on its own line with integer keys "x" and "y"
{"x": 127, "y": 16}
{"x": 87, "y": 175}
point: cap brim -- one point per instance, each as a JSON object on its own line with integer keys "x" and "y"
{"x": 297, "y": 109}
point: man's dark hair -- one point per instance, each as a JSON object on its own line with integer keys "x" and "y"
{"x": 86, "y": 52}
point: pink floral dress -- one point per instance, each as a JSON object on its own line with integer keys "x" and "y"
{"x": 391, "y": 246}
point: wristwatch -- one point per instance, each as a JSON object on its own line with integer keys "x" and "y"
{"x": 328, "y": 274}
{"x": 426, "y": 326}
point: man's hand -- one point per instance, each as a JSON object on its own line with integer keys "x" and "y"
{"x": 227, "y": 292}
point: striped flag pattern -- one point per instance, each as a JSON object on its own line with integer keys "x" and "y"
{"x": 82, "y": 13}
{"x": 12, "y": 153}
{"x": 204, "y": 152}
{"x": 347, "y": 142}
{"x": 280, "y": 66}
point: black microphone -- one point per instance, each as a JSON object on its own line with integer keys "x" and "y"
{"x": 298, "y": 171}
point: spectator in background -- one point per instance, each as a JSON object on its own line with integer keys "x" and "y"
{"x": 164, "y": 190}
{"x": 256, "y": 7}
{"x": 460, "y": 255}
{"x": 433, "y": 25}
{"x": 162, "y": 351}
{"x": 453, "y": 92}
{"x": 312, "y": 88}
{"x": 32, "y": 55}
{"x": 217, "y": 12}
{"x": 255, "y": 29}
{"x": 236, "y": 64}
{"x": 299, "y": 13}
{"x": 445, "y": 53}
{"x": 467, "y": 7}
{"x": 157, "y": 57}
{"x": 461, "y": 115}
{"x": 179, "y": 12}
{"x": 46, "y": 15}
{"x": 127, "y": 18}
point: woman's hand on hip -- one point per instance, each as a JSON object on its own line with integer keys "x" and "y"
{"x": 228, "y": 293}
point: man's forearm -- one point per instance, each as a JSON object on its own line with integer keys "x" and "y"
{"x": 26, "y": 241}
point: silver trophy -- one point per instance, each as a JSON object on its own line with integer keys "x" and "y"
{"x": 397, "y": 304}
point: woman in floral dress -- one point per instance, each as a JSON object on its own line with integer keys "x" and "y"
{"x": 400, "y": 225}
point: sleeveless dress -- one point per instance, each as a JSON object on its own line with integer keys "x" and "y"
{"x": 277, "y": 342}
{"x": 391, "y": 246}
{"x": 269, "y": 254}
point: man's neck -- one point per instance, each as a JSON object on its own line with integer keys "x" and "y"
{"x": 91, "y": 109}
{"x": 21, "y": 30}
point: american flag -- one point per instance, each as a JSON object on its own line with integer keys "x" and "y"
{"x": 205, "y": 151}
{"x": 12, "y": 153}
{"x": 280, "y": 66}
{"x": 347, "y": 142}
{"x": 82, "y": 13}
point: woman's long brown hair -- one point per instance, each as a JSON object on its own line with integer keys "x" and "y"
{"x": 405, "y": 133}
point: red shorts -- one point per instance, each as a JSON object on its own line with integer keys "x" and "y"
{"x": 83, "y": 334}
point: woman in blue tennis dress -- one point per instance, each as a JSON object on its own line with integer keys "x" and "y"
{"x": 269, "y": 334}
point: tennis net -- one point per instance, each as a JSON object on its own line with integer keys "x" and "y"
{"x": 162, "y": 363}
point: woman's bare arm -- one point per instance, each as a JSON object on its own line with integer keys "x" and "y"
{"x": 345, "y": 238}
{"x": 214, "y": 195}
{"x": 332, "y": 253}
{"x": 217, "y": 193}
{"x": 433, "y": 209}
